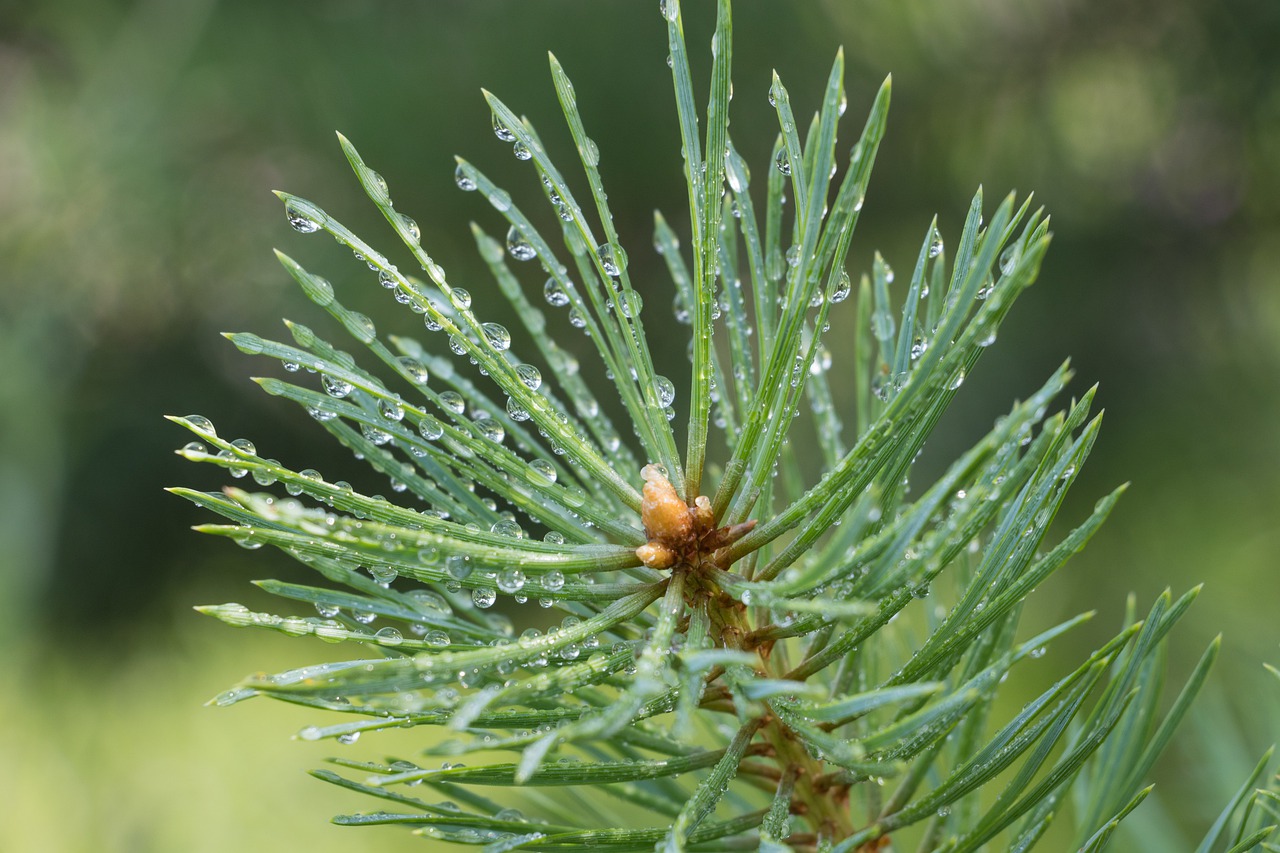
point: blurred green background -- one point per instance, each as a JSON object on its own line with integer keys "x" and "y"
{"x": 138, "y": 142}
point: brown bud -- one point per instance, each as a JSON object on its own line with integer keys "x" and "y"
{"x": 655, "y": 555}
{"x": 665, "y": 516}
{"x": 703, "y": 518}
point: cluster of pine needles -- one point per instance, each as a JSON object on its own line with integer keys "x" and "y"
{"x": 629, "y": 647}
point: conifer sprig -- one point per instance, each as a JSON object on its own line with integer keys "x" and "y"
{"x": 740, "y": 657}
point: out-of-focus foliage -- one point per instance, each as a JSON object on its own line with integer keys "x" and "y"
{"x": 137, "y": 141}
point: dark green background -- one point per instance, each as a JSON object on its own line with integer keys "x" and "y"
{"x": 138, "y": 143}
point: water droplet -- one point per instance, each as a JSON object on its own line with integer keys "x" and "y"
{"x": 461, "y": 298}
{"x": 670, "y": 9}
{"x": 987, "y": 287}
{"x": 490, "y": 429}
{"x": 516, "y": 411}
{"x": 501, "y": 131}
{"x": 299, "y": 218}
{"x": 555, "y": 294}
{"x": 520, "y": 248}
{"x": 437, "y": 638}
{"x": 553, "y": 580}
{"x": 576, "y": 319}
{"x": 936, "y": 246}
{"x": 377, "y": 436}
{"x": 511, "y": 581}
{"x": 348, "y": 738}
{"x": 957, "y": 380}
{"x": 364, "y": 617}
{"x": 497, "y": 336}
{"x": 389, "y": 636}
{"x": 631, "y": 304}
{"x": 612, "y": 260}
{"x": 335, "y": 387}
{"x": 918, "y": 347}
{"x": 666, "y": 391}
{"x": 453, "y": 401}
{"x": 430, "y": 428}
{"x": 384, "y": 575}
{"x": 542, "y": 472}
{"x": 590, "y": 152}
{"x": 483, "y": 598}
{"x": 411, "y": 228}
{"x": 458, "y": 566}
{"x": 530, "y": 376}
{"x": 521, "y": 151}
{"x": 843, "y": 288}
{"x": 465, "y": 183}
{"x": 783, "y": 162}
{"x": 414, "y": 369}
{"x": 201, "y": 423}
{"x": 391, "y": 410}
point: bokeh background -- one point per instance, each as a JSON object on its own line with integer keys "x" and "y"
{"x": 138, "y": 142}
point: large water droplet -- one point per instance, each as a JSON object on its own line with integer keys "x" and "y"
{"x": 630, "y": 304}
{"x": 300, "y": 218}
{"x": 411, "y": 227}
{"x": 335, "y": 387}
{"x": 501, "y": 131}
{"x": 377, "y": 436}
{"x": 389, "y": 636}
{"x": 497, "y": 336}
{"x": 201, "y": 423}
{"x": 511, "y": 580}
{"x": 530, "y": 376}
{"x": 843, "y": 288}
{"x": 414, "y": 369}
{"x": 520, "y": 248}
{"x": 936, "y": 246}
{"x": 521, "y": 151}
{"x": 612, "y": 260}
{"x": 453, "y": 401}
{"x": 483, "y": 598}
{"x": 516, "y": 411}
{"x": 465, "y": 183}
{"x": 666, "y": 391}
{"x": 461, "y": 298}
{"x": 542, "y": 472}
{"x": 783, "y": 162}
{"x": 555, "y": 294}
{"x": 391, "y": 410}
{"x": 490, "y": 429}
